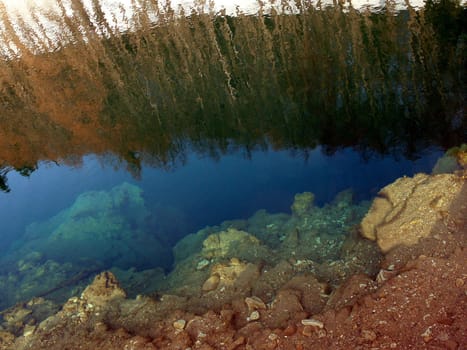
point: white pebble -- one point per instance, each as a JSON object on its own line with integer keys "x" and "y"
{"x": 312, "y": 322}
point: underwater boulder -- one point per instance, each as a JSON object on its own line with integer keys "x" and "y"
{"x": 233, "y": 243}
{"x": 103, "y": 289}
{"x": 453, "y": 160}
{"x": 109, "y": 227}
{"x": 303, "y": 203}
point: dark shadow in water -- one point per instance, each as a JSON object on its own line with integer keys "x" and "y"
{"x": 387, "y": 82}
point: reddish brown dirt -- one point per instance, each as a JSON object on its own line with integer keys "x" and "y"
{"x": 422, "y": 306}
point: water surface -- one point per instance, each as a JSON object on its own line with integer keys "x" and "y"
{"x": 116, "y": 145}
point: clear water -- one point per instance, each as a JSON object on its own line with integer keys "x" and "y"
{"x": 114, "y": 150}
{"x": 206, "y": 192}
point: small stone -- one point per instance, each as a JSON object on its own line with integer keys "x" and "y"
{"x": 443, "y": 336}
{"x": 384, "y": 275}
{"x": 255, "y": 303}
{"x": 313, "y": 323}
{"x": 202, "y": 264}
{"x": 254, "y": 316}
{"x": 427, "y": 335}
{"x": 101, "y": 327}
{"x": 368, "y": 335}
{"x": 273, "y": 336}
{"x": 235, "y": 261}
{"x": 179, "y": 324}
{"x": 211, "y": 283}
{"x": 307, "y": 331}
{"x": 322, "y": 333}
{"x": 289, "y": 330}
{"x": 29, "y": 330}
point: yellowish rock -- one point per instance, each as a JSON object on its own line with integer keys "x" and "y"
{"x": 303, "y": 203}
{"x": 462, "y": 158}
{"x": 29, "y": 330}
{"x": 103, "y": 289}
{"x": 226, "y": 243}
{"x": 6, "y": 338}
{"x": 228, "y": 274}
{"x": 254, "y": 303}
{"x": 378, "y": 212}
{"x": 312, "y": 323}
{"x": 211, "y": 283}
{"x": 408, "y": 209}
{"x": 254, "y": 316}
{"x": 179, "y": 324}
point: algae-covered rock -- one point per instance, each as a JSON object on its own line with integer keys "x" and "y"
{"x": 103, "y": 289}
{"x": 105, "y": 226}
{"x": 269, "y": 228}
{"x": 233, "y": 243}
{"x": 302, "y": 204}
{"x": 231, "y": 275}
{"x": 454, "y": 159}
{"x": 410, "y": 208}
{"x": 36, "y": 276}
{"x": 17, "y": 318}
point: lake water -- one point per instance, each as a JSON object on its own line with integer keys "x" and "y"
{"x": 115, "y": 147}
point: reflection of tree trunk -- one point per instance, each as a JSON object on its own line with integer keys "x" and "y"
{"x": 322, "y": 76}
{"x": 3, "y": 180}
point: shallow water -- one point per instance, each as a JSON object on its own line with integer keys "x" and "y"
{"x": 113, "y": 150}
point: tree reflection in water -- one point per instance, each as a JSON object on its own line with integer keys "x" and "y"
{"x": 387, "y": 82}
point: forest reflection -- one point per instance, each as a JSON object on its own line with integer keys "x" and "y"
{"x": 387, "y": 82}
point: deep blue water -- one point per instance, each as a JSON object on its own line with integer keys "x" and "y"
{"x": 205, "y": 191}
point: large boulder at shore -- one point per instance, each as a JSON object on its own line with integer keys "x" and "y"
{"x": 412, "y": 208}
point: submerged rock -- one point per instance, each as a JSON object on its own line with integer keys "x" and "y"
{"x": 18, "y": 317}
{"x": 453, "y": 160}
{"x": 101, "y": 229}
{"x": 103, "y": 289}
{"x": 412, "y": 208}
{"x": 211, "y": 283}
{"x": 233, "y": 243}
{"x": 302, "y": 204}
{"x": 104, "y": 226}
{"x": 238, "y": 298}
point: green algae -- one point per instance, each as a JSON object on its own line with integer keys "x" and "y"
{"x": 106, "y": 230}
{"x": 100, "y": 230}
{"x": 102, "y": 226}
{"x": 310, "y": 232}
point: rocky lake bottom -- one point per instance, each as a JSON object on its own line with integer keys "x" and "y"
{"x": 386, "y": 274}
